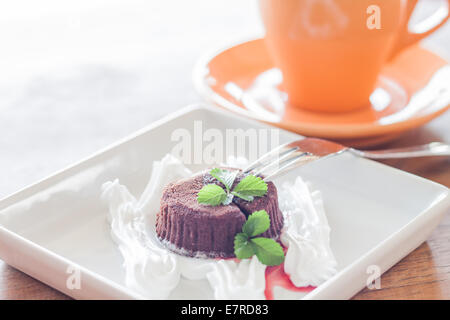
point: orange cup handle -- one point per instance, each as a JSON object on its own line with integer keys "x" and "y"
{"x": 423, "y": 28}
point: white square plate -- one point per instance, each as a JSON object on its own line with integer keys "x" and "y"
{"x": 377, "y": 214}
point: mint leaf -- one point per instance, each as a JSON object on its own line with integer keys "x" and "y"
{"x": 242, "y": 196}
{"x": 268, "y": 251}
{"x": 211, "y": 194}
{"x": 225, "y": 176}
{"x": 243, "y": 249}
{"x": 228, "y": 199}
{"x": 257, "y": 223}
{"x": 250, "y": 186}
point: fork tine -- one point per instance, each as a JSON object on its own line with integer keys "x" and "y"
{"x": 293, "y": 154}
{"x": 278, "y": 162}
{"x": 279, "y": 151}
{"x": 298, "y": 160}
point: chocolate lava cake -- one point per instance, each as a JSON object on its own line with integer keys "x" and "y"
{"x": 193, "y": 229}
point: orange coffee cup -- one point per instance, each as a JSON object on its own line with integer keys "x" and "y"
{"x": 331, "y": 51}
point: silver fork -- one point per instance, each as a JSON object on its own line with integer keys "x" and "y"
{"x": 301, "y": 152}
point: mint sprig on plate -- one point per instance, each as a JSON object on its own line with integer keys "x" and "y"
{"x": 248, "y": 188}
{"x": 246, "y": 244}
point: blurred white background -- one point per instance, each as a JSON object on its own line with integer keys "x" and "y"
{"x": 77, "y": 75}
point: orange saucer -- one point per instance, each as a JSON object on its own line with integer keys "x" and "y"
{"x": 412, "y": 89}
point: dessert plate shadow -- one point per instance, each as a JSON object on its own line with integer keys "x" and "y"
{"x": 58, "y": 226}
{"x": 412, "y": 89}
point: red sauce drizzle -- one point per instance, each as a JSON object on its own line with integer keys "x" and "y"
{"x": 275, "y": 276}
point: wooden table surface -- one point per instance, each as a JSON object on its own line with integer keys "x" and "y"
{"x": 51, "y": 117}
